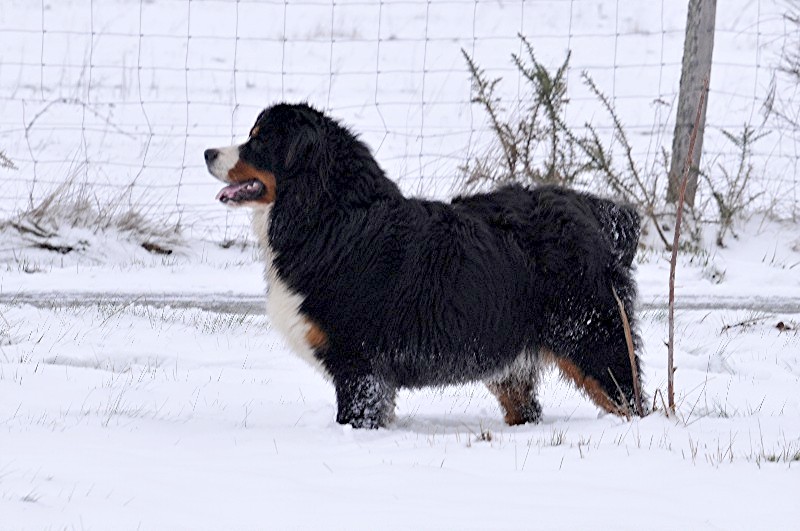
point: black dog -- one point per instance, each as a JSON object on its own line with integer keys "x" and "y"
{"x": 381, "y": 291}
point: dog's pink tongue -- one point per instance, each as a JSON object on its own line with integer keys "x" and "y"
{"x": 229, "y": 192}
{"x": 240, "y": 192}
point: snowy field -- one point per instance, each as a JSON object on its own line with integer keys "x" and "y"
{"x": 122, "y": 407}
{"x": 128, "y": 416}
{"x": 141, "y": 391}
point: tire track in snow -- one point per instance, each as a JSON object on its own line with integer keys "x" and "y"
{"x": 254, "y": 304}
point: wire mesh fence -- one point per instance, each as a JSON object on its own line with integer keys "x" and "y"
{"x": 126, "y": 94}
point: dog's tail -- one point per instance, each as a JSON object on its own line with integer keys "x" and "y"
{"x": 621, "y": 224}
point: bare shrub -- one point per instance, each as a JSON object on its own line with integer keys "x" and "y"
{"x": 628, "y": 182}
{"x": 531, "y": 146}
{"x": 788, "y": 70}
{"x": 534, "y": 145}
{"x": 731, "y": 192}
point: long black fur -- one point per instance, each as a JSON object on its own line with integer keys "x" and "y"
{"x": 412, "y": 293}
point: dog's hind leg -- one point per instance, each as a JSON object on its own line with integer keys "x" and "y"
{"x": 516, "y": 390}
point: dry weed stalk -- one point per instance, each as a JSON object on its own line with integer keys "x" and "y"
{"x": 6, "y": 162}
{"x": 674, "y": 258}
{"x": 637, "y": 392}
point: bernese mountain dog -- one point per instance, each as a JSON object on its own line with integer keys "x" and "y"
{"x": 381, "y": 291}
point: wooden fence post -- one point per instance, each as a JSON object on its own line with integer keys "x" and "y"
{"x": 698, "y": 47}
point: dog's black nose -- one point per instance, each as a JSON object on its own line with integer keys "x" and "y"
{"x": 210, "y": 155}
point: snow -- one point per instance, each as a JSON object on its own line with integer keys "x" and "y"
{"x": 149, "y": 391}
{"x": 122, "y": 404}
{"x": 125, "y": 415}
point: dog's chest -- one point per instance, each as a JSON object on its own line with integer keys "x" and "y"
{"x": 283, "y": 304}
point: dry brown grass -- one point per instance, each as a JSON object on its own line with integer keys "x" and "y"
{"x": 74, "y": 205}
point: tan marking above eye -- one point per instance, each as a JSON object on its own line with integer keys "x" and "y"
{"x": 254, "y": 131}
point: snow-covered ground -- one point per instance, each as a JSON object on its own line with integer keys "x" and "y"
{"x": 118, "y": 412}
{"x": 127, "y": 416}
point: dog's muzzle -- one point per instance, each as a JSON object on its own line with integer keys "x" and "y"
{"x": 220, "y": 161}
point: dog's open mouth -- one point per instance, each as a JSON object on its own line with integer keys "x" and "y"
{"x": 240, "y": 192}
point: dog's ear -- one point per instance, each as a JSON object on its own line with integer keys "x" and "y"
{"x": 302, "y": 147}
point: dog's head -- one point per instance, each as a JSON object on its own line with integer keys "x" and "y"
{"x": 282, "y": 145}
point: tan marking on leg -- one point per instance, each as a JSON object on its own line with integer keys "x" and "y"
{"x": 513, "y": 399}
{"x": 243, "y": 171}
{"x": 588, "y": 385}
{"x": 315, "y": 337}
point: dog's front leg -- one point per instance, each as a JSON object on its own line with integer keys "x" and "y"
{"x": 364, "y": 400}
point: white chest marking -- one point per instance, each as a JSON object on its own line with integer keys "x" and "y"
{"x": 283, "y": 304}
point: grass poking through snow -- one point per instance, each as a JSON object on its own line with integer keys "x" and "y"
{"x": 71, "y": 217}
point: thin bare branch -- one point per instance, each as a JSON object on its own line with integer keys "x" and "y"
{"x": 674, "y": 259}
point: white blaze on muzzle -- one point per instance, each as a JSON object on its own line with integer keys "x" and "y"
{"x": 224, "y": 161}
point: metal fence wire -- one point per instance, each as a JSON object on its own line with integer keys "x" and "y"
{"x": 124, "y": 95}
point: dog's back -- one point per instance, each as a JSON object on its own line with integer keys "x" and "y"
{"x": 513, "y": 207}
